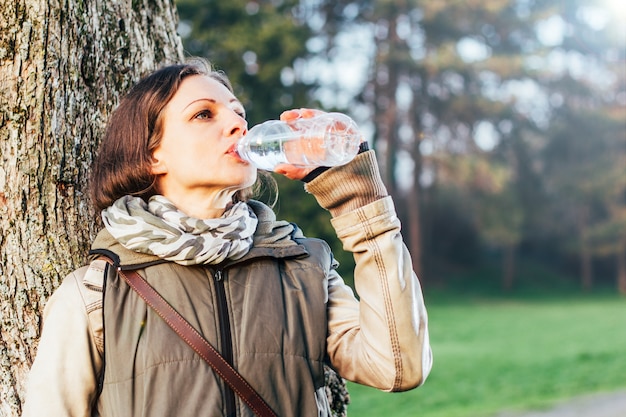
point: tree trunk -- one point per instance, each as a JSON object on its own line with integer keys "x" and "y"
{"x": 415, "y": 230}
{"x": 508, "y": 268}
{"x": 63, "y": 66}
{"x": 621, "y": 266}
{"x": 414, "y": 198}
{"x": 386, "y": 109}
{"x": 586, "y": 266}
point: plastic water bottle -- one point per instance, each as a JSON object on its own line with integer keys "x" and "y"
{"x": 329, "y": 139}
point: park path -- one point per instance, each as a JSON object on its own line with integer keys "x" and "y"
{"x": 611, "y": 404}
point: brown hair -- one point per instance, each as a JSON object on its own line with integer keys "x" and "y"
{"x": 123, "y": 163}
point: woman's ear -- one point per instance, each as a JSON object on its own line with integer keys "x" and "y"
{"x": 157, "y": 167}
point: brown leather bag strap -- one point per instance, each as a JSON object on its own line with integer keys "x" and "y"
{"x": 197, "y": 343}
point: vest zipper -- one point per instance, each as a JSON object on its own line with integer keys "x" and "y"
{"x": 226, "y": 346}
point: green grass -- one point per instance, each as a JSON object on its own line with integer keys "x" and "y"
{"x": 493, "y": 355}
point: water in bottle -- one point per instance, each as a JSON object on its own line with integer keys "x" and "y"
{"x": 329, "y": 139}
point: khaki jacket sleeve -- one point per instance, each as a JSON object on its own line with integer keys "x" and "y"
{"x": 382, "y": 339}
{"x": 63, "y": 378}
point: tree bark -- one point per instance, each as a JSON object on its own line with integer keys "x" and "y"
{"x": 508, "y": 267}
{"x": 586, "y": 258}
{"x": 63, "y": 67}
{"x": 386, "y": 109}
{"x": 415, "y": 229}
{"x": 414, "y": 197}
{"x": 586, "y": 268}
{"x": 621, "y": 266}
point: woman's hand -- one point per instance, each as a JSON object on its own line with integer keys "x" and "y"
{"x": 292, "y": 171}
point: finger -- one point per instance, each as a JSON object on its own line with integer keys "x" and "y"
{"x": 308, "y": 113}
{"x": 303, "y": 113}
{"x": 290, "y": 115}
{"x": 293, "y": 172}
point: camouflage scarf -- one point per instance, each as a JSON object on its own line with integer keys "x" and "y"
{"x": 159, "y": 228}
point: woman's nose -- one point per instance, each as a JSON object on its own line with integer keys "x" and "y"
{"x": 237, "y": 126}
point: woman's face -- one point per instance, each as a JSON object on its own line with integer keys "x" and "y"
{"x": 197, "y": 157}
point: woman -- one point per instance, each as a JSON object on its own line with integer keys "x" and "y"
{"x": 174, "y": 196}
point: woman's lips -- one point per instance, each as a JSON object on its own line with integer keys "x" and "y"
{"x": 232, "y": 151}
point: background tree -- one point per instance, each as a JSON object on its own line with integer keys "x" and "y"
{"x": 63, "y": 66}
{"x": 489, "y": 82}
{"x": 259, "y": 44}
{"x": 585, "y": 159}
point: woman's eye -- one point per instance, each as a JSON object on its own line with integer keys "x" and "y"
{"x": 204, "y": 114}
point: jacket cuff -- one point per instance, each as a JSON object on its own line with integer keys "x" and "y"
{"x": 348, "y": 187}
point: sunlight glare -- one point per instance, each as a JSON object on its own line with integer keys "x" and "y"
{"x": 616, "y": 7}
